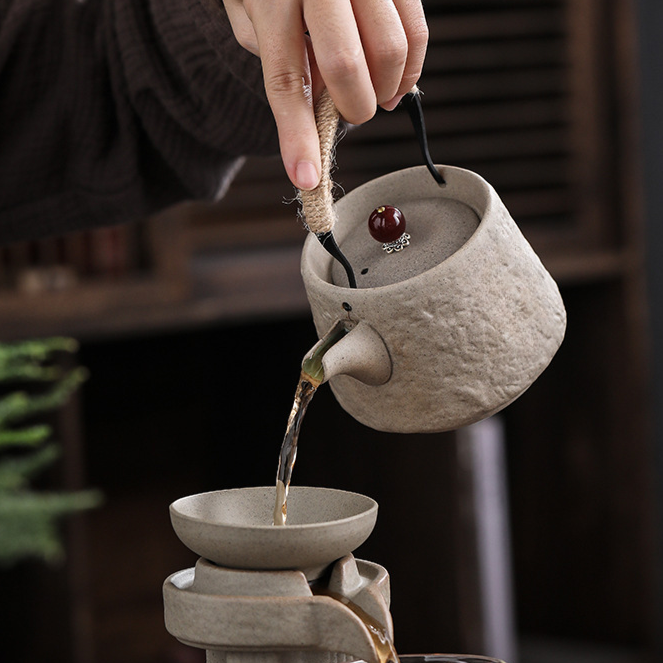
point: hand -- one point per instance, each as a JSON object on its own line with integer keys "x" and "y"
{"x": 365, "y": 52}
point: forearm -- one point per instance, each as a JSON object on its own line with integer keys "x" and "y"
{"x": 111, "y": 108}
{"x": 185, "y": 73}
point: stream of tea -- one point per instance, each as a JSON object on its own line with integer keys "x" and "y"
{"x": 383, "y": 645}
{"x": 305, "y": 391}
{"x": 310, "y": 378}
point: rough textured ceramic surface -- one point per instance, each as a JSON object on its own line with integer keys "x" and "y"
{"x": 466, "y": 336}
{"x": 254, "y": 613}
{"x": 234, "y": 528}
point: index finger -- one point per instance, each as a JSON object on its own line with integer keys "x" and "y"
{"x": 287, "y": 75}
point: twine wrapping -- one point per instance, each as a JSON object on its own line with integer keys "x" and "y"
{"x": 318, "y": 204}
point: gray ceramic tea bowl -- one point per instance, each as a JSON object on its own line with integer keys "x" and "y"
{"x": 233, "y": 528}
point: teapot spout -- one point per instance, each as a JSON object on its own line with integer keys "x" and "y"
{"x": 349, "y": 348}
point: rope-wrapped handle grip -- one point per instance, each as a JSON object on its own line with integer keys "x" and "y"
{"x": 318, "y": 204}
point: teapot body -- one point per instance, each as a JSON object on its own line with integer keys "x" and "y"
{"x": 465, "y": 337}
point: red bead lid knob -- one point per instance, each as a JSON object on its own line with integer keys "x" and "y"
{"x": 386, "y": 224}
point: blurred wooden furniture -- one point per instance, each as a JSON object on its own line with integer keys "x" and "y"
{"x": 93, "y": 281}
{"x": 535, "y": 96}
{"x": 538, "y": 97}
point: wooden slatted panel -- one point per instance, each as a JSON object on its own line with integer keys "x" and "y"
{"x": 502, "y": 95}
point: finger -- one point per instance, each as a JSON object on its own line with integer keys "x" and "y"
{"x": 241, "y": 25}
{"x": 340, "y": 56}
{"x": 413, "y": 19}
{"x": 317, "y": 84}
{"x": 385, "y": 45}
{"x": 280, "y": 29}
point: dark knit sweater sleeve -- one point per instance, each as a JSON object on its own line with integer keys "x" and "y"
{"x": 111, "y": 109}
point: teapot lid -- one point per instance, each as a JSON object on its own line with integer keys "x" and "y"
{"x": 438, "y": 226}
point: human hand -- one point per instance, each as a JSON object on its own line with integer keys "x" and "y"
{"x": 365, "y": 52}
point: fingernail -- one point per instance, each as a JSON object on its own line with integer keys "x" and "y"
{"x": 392, "y": 103}
{"x": 306, "y": 175}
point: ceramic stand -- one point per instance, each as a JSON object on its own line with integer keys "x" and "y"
{"x": 285, "y": 607}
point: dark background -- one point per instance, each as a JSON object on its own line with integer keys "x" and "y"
{"x": 651, "y": 62}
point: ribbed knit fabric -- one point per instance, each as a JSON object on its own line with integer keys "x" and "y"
{"x": 111, "y": 109}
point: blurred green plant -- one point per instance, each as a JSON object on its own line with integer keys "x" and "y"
{"x": 29, "y": 519}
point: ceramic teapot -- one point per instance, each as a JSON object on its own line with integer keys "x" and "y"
{"x": 447, "y": 331}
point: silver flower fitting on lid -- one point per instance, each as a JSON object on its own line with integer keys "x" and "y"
{"x": 397, "y": 245}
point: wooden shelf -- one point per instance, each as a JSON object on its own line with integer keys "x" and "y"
{"x": 220, "y": 286}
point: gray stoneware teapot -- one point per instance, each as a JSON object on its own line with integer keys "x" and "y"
{"x": 445, "y": 332}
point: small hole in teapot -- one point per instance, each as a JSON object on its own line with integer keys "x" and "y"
{"x": 365, "y": 270}
{"x": 346, "y": 307}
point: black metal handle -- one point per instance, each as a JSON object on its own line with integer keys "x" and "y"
{"x": 412, "y": 102}
{"x": 328, "y": 240}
